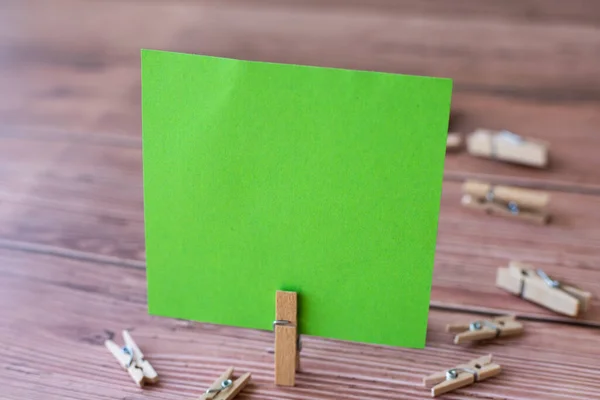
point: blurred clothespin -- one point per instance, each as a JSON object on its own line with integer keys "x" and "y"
{"x": 462, "y": 375}
{"x": 131, "y": 358}
{"x": 536, "y": 286}
{"x": 509, "y": 147}
{"x": 454, "y": 142}
{"x": 225, "y": 388}
{"x": 485, "y": 329}
{"x": 506, "y": 201}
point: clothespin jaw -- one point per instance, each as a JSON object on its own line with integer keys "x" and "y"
{"x": 225, "y": 388}
{"x": 132, "y": 359}
{"x": 462, "y": 375}
{"x": 509, "y": 147}
{"x": 537, "y": 287}
{"x": 454, "y": 142}
{"x": 287, "y": 339}
{"x": 485, "y": 329}
{"x": 507, "y": 201}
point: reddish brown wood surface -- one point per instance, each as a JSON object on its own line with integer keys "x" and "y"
{"x": 79, "y": 181}
{"x": 73, "y": 306}
{"x": 570, "y": 128}
{"x": 71, "y": 210}
{"x": 472, "y": 245}
{"x": 530, "y": 67}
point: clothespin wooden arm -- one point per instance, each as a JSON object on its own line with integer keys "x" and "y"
{"x": 506, "y": 201}
{"x": 217, "y": 385}
{"x": 525, "y": 198}
{"x": 118, "y": 353}
{"x": 485, "y": 329}
{"x": 440, "y": 376}
{"x": 454, "y": 141}
{"x": 140, "y": 364}
{"x": 433, "y": 379}
{"x": 584, "y": 297}
{"x": 224, "y": 388}
{"x": 536, "y": 217}
{"x": 148, "y": 371}
{"x": 509, "y": 147}
{"x": 286, "y": 338}
{"x": 461, "y": 375}
{"x": 130, "y": 343}
{"x": 131, "y": 359}
{"x": 522, "y": 280}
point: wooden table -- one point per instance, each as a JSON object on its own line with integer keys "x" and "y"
{"x": 71, "y": 222}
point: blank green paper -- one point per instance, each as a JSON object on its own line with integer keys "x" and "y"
{"x": 261, "y": 177}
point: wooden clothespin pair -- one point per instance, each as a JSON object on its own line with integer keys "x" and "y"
{"x": 462, "y": 375}
{"x": 287, "y": 338}
{"x": 225, "y": 388}
{"x": 507, "y": 201}
{"x": 536, "y": 286}
{"x": 131, "y": 358}
{"x": 509, "y": 147}
{"x": 485, "y": 329}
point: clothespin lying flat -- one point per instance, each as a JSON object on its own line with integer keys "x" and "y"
{"x": 485, "y": 329}
{"x": 507, "y": 201}
{"x": 462, "y": 375}
{"x": 131, "y": 358}
{"x": 454, "y": 141}
{"x": 287, "y": 339}
{"x": 225, "y": 388}
{"x": 536, "y": 286}
{"x": 509, "y": 147}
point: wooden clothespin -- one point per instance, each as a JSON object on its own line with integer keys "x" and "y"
{"x": 225, "y": 388}
{"x": 536, "y": 286}
{"x": 131, "y": 358}
{"x": 509, "y": 147}
{"x": 485, "y": 329}
{"x": 454, "y": 142}
{"x": 462, "y": 375}
{"x": 287, "y": 339}
{"x": 507, "y": 201}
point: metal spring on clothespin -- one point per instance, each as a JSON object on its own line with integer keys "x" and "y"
{"x": 537, "y": 286}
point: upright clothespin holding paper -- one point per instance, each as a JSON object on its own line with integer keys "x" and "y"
{"x": 131, "y": 358}
{"x": 509, "y": 147}
{"x": 225, "y": 388}
{"x": 525, "y": 204}
{"x": 536, "y": 286}
{"x": 287, "y": 339}
{"x": 462, "y": 375}
{"x": 485, "y": 329}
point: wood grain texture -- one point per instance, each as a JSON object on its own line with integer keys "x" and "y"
{"x": 285, "y": 355}
{"x": 82, "y": 307}
{"x": 489, "y": 328}
{"x": 84, "y": 194}
{"x": 483, "y": 365}
{"x": 522, "y": 280}
{"x": 286, "y": 307}
{"x": 569, "y": 128}
{"x": 481, "y": 53}
{"x": 507, "y": 147}
{"x": 471, "y": 246}
{"x": 512, "y": 63}
{"x": 286, "y": 335}
{"x": 71, "y": 211}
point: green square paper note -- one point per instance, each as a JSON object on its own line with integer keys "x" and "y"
{"x": 260, "y": 177}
